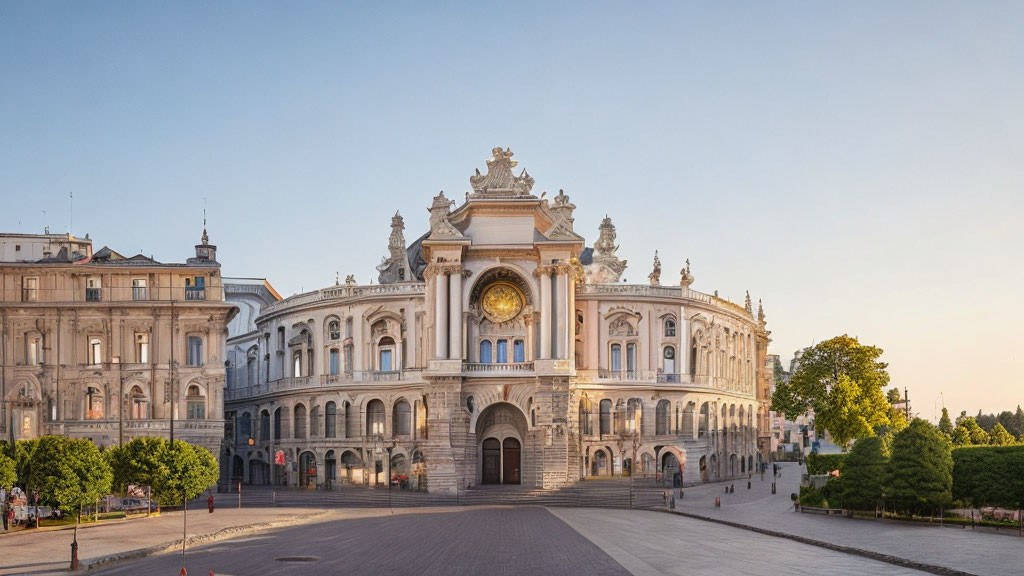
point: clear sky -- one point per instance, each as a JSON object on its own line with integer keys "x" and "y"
{"x": 857, "y": 167}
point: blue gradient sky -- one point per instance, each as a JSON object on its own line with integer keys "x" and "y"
{"x": 857, "y": 167}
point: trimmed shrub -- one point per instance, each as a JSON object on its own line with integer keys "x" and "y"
{"x": 989, "y": 475}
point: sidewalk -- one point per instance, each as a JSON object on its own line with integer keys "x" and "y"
{"x": 958, "y": 549}
{"x": 46, "y": 552}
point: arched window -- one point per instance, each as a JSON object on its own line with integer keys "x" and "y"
{"x": 586, "y": 426}
{"x": 196, "y": 402}
{"x": 264, "y": 426}
{"x": 251, "y": 367}
{"x": 331, "y": 420}
{"x": 351, "y": 422}
{"x": 633, "y": 415}
{"x": 309, "y": 362}
{"x": 299, "y": 422}
{"x": 670, "y": 328}
{"x": 93, "y": 403}
{"x": 606, "y": 416}
{"x": 485, "y": 351}
{"x": 616, "y": 359}
{"x": 314, "y": 422}
{"x": 277, "y": 424}
{"x": 402, "y": 419}
{"x": 502, "y": 351}
{"x": 693, "y": 357}
{"x": 349, "y": 350}
{"x": 244, "y": 427}
{"x": 297, "y": 364}
{"x": 139, "y": 406}
{"x": 334, "y": 330}
{"x": 386, "y": 354}
{"x": 662, "y": 421}
{"x": 518, "y": 351}
{"x": 687, "y": 427}
{"x": 669, "y": 364}
{"x": 375, "y": 418}
{"x": 702, "y": 425}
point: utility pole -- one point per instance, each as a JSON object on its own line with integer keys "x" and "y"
{"x": 171, "y": 366}
{"x": 906, "y": 404}
{"x": 120, "y": 404}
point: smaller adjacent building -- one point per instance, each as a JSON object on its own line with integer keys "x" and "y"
{"x": 108, "y": 347}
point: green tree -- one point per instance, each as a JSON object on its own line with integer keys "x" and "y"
{"x": 1018, "y": 422}
{"x": 23, "y": 451}
{"x": 1006, "y": 419}
{"x": 139, "y": 462}
{"x": 893, "y": 396}
{"x": 986, "y": 421}
{"x": 945, "y": 425}
{"x": 961, "y": 437}
{"x": 920, "y": 471}
{"x": 978, "y": 436}
{"x": 862, "y": 477}
{"x": 7, "y": 472}
{"x": 68, "y": 473}
{"x": 1000, "y": 437}
{"x": 842, "y": 381}
{"x": 187, "y": 470}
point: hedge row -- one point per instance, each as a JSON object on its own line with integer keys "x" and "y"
{"x": 824, "y": 463}
{"x": 989, "y": 475}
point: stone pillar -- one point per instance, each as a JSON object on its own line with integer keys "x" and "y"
{"x": 544, "y": 278}
{"x": 455, "y": 320}
{"x": 562, "y": 314}
{"x": 440, "y": 316}
{"x": 410, "y": 336}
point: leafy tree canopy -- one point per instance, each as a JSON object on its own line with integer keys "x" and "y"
{"x": 842, "y": 381}
{"x": 68, "y": 472}
{"x": 894, "y": 396}
{"x": 862, "y": 477}
{"x": 945, "y": 425}
{"x": 139, "y": 462}
{"x": 961, "y": 437}
{"x": 920, "y": 477}
{"x": 186, "y": 471}
{"x": 1000, "y": 437}
{"x": 7, "y": 471}
{"x": 976, "y": 435}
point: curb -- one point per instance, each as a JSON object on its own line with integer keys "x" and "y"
{"x": 199, "y": 539}
{"x": 870, "y": 554}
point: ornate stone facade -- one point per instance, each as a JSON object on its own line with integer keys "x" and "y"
{"x": 511, "y": 354}
{"x": 108, "y": 347}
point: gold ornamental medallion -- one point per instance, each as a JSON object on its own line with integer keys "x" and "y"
{"x": 502, "y": 302}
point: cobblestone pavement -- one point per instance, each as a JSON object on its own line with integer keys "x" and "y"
{"x": 46, "y": 552}
{"x": 975, "y": 552}
{"x": 650, "y": 543}
{"x": 507, "y": 541}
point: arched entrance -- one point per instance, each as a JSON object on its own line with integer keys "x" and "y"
{"x": 237, "y": 469}
{"x": 307, "y": 470}
{"x": 352, "y": 468}
{"x": 330, "y": 470}
{"x": 500, "y": 429}
{"x": 671, "y": 471}
{"x": 600, "y": 465}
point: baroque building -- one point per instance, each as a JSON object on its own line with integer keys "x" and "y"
{"x": 498, "y": 348}
{"x": 107, "y": 347}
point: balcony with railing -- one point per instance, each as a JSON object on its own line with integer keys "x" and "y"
{"x": 313, "y": 382}
{"x": 195, "y": 293}
{"x": 498, "y": 369}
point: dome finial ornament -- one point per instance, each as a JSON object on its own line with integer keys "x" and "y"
{"x": 655, "y": 275}
{"x": 685, "y": 278}
{"x": 746, "y": 304}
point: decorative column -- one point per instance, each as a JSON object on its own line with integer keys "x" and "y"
{"x": 455, "y": 319}
{"x": 411, "y": 334}
{"x": 562, "y": 315}
{"x": 440, "y": 315}
{"x": 544, "y": 278}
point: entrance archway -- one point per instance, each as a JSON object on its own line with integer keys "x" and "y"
{"x": 500, "y": 429}
{"x": 600, "y": 466}
{"x": 307, "y": 469}
{"x": 671, "y": 471}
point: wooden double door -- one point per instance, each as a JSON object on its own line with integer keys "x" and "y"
{"x": 502, "y": 461}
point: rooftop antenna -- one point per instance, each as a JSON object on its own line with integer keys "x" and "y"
{"x": 46, "y": 228}
{"x": 71, "y": 227}
{"x": 204, "y": 213}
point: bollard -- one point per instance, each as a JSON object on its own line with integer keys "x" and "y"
{"x": 748, "y": 484}
{"x": 74, "y": 555}
{"x": 726, "y": 489}
{"x": 718, "y": 501}
{"x": 672, "y": 503}
{"x": 773, "y": 487}
{"x": 680, "y": 493}
{"x": 732, "y": 488}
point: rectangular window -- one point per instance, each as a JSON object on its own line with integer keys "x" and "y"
{"x": 631, "y": 358}
{"x": 616, "y": 357}
{"x": 92, "y": 289}
{"x": 195, "y": 351}
{"x": 385, "y": 360}
{"x": 95, "y": 351}
{"x": 30, "y": 289}
{"x": 142, "y": 348}
{"x": 34, "y": 350}
{"x": 195, "y": 288}
{"x": 139, "y": 289}
{"x": 297, "y": 364}
{"x": 334, "y": 362}
{"x": 502, "y": 351}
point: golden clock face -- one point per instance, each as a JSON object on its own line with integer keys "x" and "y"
{"x": 502, "y": 302}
